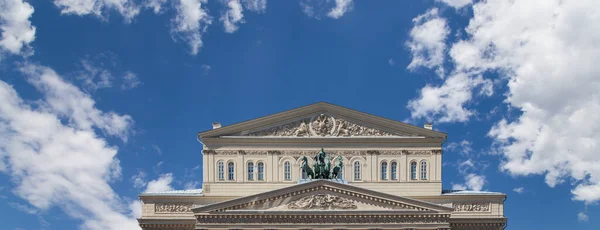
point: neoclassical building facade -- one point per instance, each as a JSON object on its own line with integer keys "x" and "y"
{"x": 390, "y": 177}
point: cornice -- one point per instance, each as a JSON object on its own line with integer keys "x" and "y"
{"x": 331, "y": 152}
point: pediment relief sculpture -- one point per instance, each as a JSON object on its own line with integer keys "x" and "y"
{"x": 322, "y": 125}
{"x": 322, "y": 202}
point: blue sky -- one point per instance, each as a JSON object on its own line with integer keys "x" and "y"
{"x": 101, "y": 100}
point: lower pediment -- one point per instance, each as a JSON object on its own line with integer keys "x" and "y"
{"x": 322, "y": 196}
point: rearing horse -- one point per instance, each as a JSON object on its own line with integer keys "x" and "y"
{"x": 306, "y": 168}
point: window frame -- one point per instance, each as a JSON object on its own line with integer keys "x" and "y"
{"x": 394, "y": 170}
{"x": 413, "y": 171}
{"x": 287, "y": 171}
{"x": 423, "y": 172}
{"x": 230, "y": 171}
{"x": 250, "y": 171}
{"x": 383, "y": 170}
{"x": 357, "y": 172}
{"x": 220, "y": 170}
{"x": 260, "y": 171}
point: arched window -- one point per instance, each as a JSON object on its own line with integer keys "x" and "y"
{"x": 261, "y": 171}
{"x": 394, "y": 171}
{"x": 384, "y": 170}
{"x": 356, "y": 170}
{"x": 413, "y": 170}
{"x": 221, "y": 170}
{"x": 340, "y": 173}
{"x": 230, "y": 171}
{"x": 423, "y": 170}
{"x": 287, "y": 171}
{"x": 250, "y": 171}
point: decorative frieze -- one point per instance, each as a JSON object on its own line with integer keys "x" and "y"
{"x": 471, "y": 207}
{"x": 323, "y": 125}
{"x": 323, "y": 219}
{"x": 332, "y": 152}
{"x": 322, "y": 202}
{"x": 172, "y": 207}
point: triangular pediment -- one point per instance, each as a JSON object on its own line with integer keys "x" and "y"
{"x": 323, "y": 195}
{"x": 321, "y": 120}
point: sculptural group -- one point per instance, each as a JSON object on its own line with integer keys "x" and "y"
{"x": 322, "y": 166}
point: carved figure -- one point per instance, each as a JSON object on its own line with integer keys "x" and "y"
{"x": 326, "y": 172}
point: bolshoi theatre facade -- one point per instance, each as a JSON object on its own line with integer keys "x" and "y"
{"x": 322, "y": 166}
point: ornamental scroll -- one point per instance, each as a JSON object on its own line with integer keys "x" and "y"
{"x": 171, "y": 207}
{"x": 471, "y": 207}
{"x": 322, "y": 126}
{"x": 323, "y": 202}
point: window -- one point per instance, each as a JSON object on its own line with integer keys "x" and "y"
{"x": 423, "y": 170}
{"x": 250, "y": 171}
{"x": 340, "y": 173}
{"x": 394, "y": 171}
{"x": 287, "y": 171}
{"x": 384, "y": 170}
{"x": 356, "y": 170}
{"x": 261, "y": 171}
{"x": 304, "y": 175}
{"x": 230, "y": 171}
{"x": 413, "y": 170}
{"x": 221, "y": 170}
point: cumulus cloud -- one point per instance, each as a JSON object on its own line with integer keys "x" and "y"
{"x": 427, "y": 42}
{"x": 155, "y": 5}
{"x": 447, "y": 102}
{"x": 234, "y": 13}
{"x": 545, "y": 51}
{"x": 456, "y": 3}
{"x": 56, "y": 156}
{"x": 100, "y": 8}
{"x": 94, "y": 77}
{"x": 139, "y": 179}
{"x": 232, "y": 16}
{"x": 331, "y": 8}
{"x": 163, "y": 183}
{"x": 190, "y": 23}
{"x": 17, "y": 31}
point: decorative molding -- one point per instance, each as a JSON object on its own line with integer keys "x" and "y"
{"x": 323, "y": 125}
{"x": 298, "y": 153}
{"x": 322, "y": 202}
{"x": 172, "y": 207}
{"x": 471, "y": 207}
{"x": 323, "y": 219}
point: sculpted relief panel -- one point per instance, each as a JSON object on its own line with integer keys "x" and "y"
{"x": 323, "y": 202}
{"x": 471, "y": 207}
{"x": 321, "y": 126}
{"x": 172, "y": 207}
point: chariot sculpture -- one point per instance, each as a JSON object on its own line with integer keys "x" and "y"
{"x": 321, "y": 168}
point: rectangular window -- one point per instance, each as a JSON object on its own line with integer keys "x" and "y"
{"x": 261, "y": 171}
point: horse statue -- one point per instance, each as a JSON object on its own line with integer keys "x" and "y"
{"x": 338, "y": 168}
{"x": 327, "y": 170}
{"x": 306, "y": 168}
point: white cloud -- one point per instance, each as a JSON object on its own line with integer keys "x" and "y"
{"x": 38, "y": 140}
{"x": 126, "y": 8}
{"x": 341, "y": 7}
{"x": 163, "y": 183}
{"x": 191, "y": 185}
{"x": 545, "y": 51}
{"x": 427, "y": 41}
{"x": 17, "y": 31}
{"x": 94, "y": 77}
{"x": 190, "y": 23}
{"x": 157, "y": 149}
{"x": 459, "y": 187}
{"x": 456, "y": 3}
{"x": 155, "y": 5}
{"x": 258, "y": 6}
{"x": 136, "y": 209}
{"x": 232, "y": 16}
{"x": 69, "y": 102}
{"x": 582, "y": 217}
{"x": 330, "y": 8}
{"x": 519, "y": 190}
{"x": 130, "y": 81}
{"x": 447, "y": 102}
{"x": 475, "y": 182}
{"x": 139, "y": 179}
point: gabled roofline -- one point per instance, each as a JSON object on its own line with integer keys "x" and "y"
{"x": 321, "y": 107}
{"x": 316, "y": 183}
